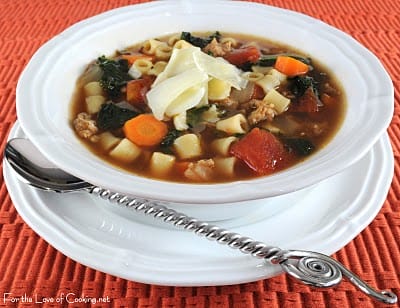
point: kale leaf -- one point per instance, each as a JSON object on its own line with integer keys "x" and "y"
{"x": 198, "y": 41}
{"x": 300, "y": 84}
{"x": 112, "y": 117}
{"x": 115, "y": 75}
{"x": 193, "y": 115}
{"x": 170, "y": 138}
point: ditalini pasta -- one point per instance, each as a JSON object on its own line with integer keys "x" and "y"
{"x": 150, "y": 46}
{"x": 236, "y": 124}
{"x": 207, "y": 107}
{"x": 157, "y": 68}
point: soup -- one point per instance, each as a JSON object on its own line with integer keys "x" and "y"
{"x": 206, "y": 108}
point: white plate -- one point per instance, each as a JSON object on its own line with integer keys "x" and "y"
{"x": 46, "y": 86}
{"x": 110, "y": 239}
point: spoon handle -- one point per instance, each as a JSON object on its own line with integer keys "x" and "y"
{"x": 311, "y": 268}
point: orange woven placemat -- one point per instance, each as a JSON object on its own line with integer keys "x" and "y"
{"x": 32, "y": 268}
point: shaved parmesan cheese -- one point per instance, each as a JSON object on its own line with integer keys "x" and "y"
{"x": 188, "y": 99}
{"x": 161, "y": 96}
{"x": 180, "y": 121}
{"x": 184, "y": 82}
{"x": 220, "y": 69}
{"x": 218, "y": 89}
{"x": 181, "y": 60}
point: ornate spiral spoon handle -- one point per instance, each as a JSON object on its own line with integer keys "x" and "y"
{"x": 311, "y": 268}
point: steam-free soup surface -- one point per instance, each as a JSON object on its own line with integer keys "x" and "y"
{"x": 206, "y": 107}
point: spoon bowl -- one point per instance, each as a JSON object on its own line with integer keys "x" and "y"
{"x": 32, "y": 168}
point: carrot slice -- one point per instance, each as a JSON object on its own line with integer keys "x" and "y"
{"x": 261, "y": 151}
{"x": 290, "y": 66}
{"x": 145, "y": 130}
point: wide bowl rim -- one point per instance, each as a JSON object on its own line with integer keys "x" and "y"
{"x": 63, "y": 154}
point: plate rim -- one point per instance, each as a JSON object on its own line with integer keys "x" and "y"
{"x": 355, "y": 226}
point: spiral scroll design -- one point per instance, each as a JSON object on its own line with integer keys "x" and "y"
{"x": 314, "y": 269}
{"x": 310, "y": 267}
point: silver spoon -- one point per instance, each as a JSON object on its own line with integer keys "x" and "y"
{"x": 311, "y": 268}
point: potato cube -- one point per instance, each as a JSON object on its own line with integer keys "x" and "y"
{"x": 161, "y": 163}
{"x": 108, "y": 140}
{"x": 126, "y": 151}
{"x": 188, "y": 146}
{"x": 94, "y": 103}
{"x": 93, "y": 88}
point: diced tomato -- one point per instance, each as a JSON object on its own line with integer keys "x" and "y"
{"x": 181, "y": 167}
{"x": 308, "y": 102}
{"x": 258, "y": 92}
{"x": 243, "y": 55}
{"x": 261, "y": 151}
{"x": 136, "y": 91}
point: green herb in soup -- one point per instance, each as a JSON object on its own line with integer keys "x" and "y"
{"x": 206, "y": 108}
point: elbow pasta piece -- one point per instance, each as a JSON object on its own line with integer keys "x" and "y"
{"x": 173, "y": 39}
{"x": 140, "y": 67}
{"x": 126, "y": 151}
{"x": 93, "y": 88}
{"x": 157, "y": 68}
{"x": 261, "y": 69}
{"x": 280, "y": 102}
{"x": 94, "y": 103}
{"x": 236, "y": 124}
{"x": 161, "y": 163}
{"x": 182, "y": 44}
{"x": 253, "y": 76}
{"x": 143, "y": 65}
{"x": 268, "y": 82}
{"x": 188, "y": 146}
{"x": 229, "y": 39}
{"x": 163, "y": 52}
{"x": 221, "y": 146}
{"x": 149, "y": 47}
{"x": 277, "y": 74}
{"x": 225, "y": 165}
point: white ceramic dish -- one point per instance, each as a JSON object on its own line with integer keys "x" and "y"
{"x": 107, "y": 238}
{"x": 45, "y": 89}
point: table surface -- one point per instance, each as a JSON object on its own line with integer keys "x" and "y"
{"x": 30, "y": 267}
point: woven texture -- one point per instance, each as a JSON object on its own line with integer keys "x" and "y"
{"x": 29, "y": 266}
